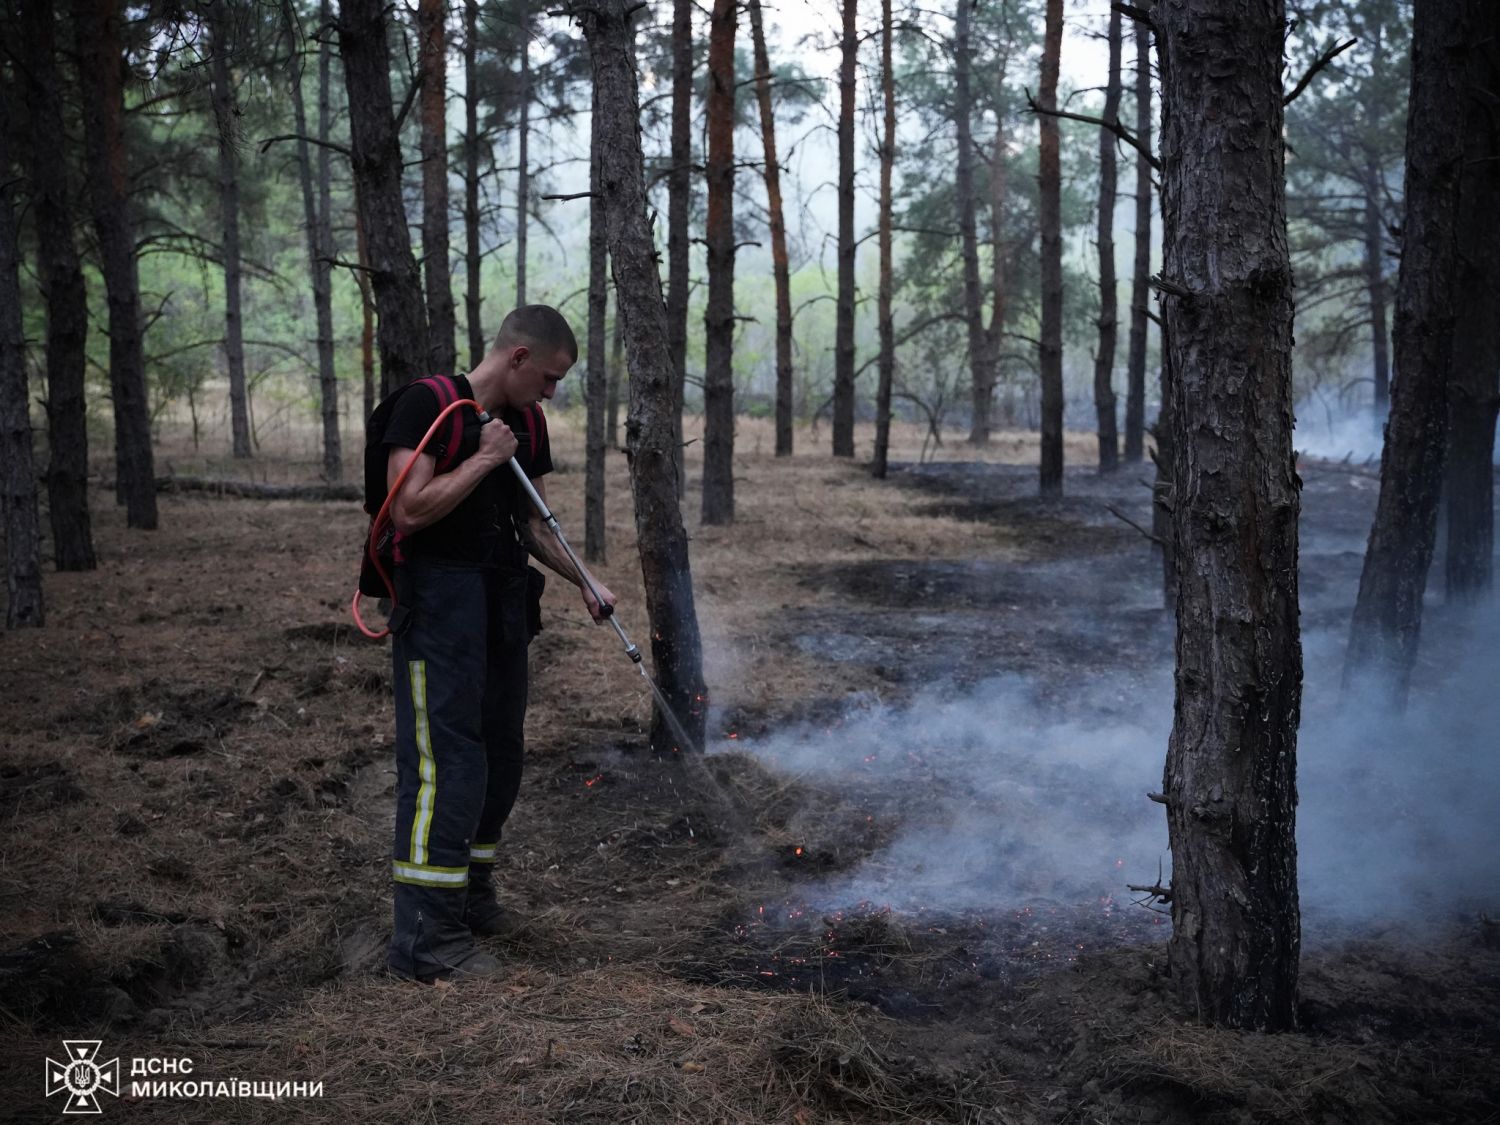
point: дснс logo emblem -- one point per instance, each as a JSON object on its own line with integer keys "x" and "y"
{"x": 81, "y": 1077}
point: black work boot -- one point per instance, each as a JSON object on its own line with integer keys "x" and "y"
{"x": 430, "y": 941}
{"x": 483, "y": 913}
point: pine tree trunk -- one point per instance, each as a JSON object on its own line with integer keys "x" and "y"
{"x": 780, "y": 268}
{"x": 376, "y": 159}
{"x": 1104, "y": 360}
{"x": 333, "y": 446}
{"x": 523, "y": 159}
{"x": 18, "y": 512}
{"x": 226, "y": 119}
{"x": 718, "y": 318}
{"x": 60, "y": 278}
{"x": 101, "y": 69}
{"x": 432, "y": 63}
{"x": 679, "y": 206}
{"x": 366, "y": 315}
{"x": 1140, "y": 289}
{"x": 1387, "y": 622}
{"x": 318, "y": 255}
{"x": 1049, "y": 212}
{"x": 982, "y": 376}
{"x": 473, "y": 259}
{"x": 885, "y": 315}
{"x": 1375, "y": 282}
{"x": 676, "y": 646}
{"x": 1230, "y": 776}
{"x": 843, "y": 345}
{"x": 616, "y": 374}
{"x": 999, "y": 180}
{"x": 596, "y": 378}
{"x": 1163, "y": 495}
{"x": 1470, "y": 488}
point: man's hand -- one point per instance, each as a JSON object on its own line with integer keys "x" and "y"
{"x": 497, "y": 442}
{"x": 596, "y": 611}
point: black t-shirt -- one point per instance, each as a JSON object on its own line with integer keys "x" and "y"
{"x": 482, "y": 528}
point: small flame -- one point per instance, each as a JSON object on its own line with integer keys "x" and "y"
{"x": 799, "y": 851}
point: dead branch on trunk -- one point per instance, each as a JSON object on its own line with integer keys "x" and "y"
{"x": 1113, "y": 126}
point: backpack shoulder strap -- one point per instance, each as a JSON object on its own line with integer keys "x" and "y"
{"x": 446, "y": 389}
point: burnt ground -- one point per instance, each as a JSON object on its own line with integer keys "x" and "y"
{"x": 195, "y": 793}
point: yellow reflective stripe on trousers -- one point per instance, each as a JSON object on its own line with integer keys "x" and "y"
{"x": 426, "y": 876}
{"x": 482, "y": 853}
{"x": 421, "y": 821}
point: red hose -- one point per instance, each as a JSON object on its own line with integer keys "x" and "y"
{"x": 383, "y": 518}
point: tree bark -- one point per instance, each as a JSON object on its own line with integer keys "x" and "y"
{"x": 1375, "y": 283}
{"x": 1230, "y": 775}
{"x": 1470, "y": 488}
{"x": 982, "y": 376}
{"x": 1104, "y": 360}
{"x": 780, "y": 267}
{"x": 596, "y": 377}
{"x": 718, "y": 317}
{"x": 432, "y": 63}
{"x": 1049, "y": 212}
{"x": 885, "y": 298}
{"x": 523, "y": 157}
{"x": 616, "y": 374}
{"x": 333, "y": 445}
{"x": 60, "y": 278}
{"x": 1387, "y": 622}
{"x": 676, "y": 646}
{"x": 1140, "y": 291}
{"x": 473, "y": 259}
{"x": 319, "y": 255}
{"x": 679, "y": 206}
{"x": 376, "y": 159}
{"x": 843, "y": 346}
{"x": 226, "y": 117}
{"x": 999, "y": 181}
{"x": 25, "y": 606}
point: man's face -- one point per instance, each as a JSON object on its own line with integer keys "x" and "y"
{"x": 537, "y": 372}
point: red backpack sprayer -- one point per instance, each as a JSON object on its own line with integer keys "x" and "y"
{"x": 379, "y": 554}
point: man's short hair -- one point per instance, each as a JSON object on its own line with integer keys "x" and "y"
{"x": 537, "y": 326}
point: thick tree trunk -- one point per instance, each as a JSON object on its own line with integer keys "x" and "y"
{"x": 473, "y": 259}
{"x": 718, "y": 318}
{"x": 616, "y": 375}
{"x": 780, "y": 268}
{"x": 679, "y": 206}
{"x": 885, "y": 315}
{"x": 1470, "y": 489}
{"x": 1230, "y": 776}
{"x": 1387, "y": 623}
{"x": 18, "y": 512}
{"x": 843, "y": 342}
{"x": 1104, "y": 360}
{"x": 982, "y": 375}
{"x": 319, "y": 254}
{"x": 676, "y": 646}
{"x": 376, "y": 159}
{"x": 1140, "y": 291}
{"x": 523, "y": 158}
{"x": 60, "y": 278}
{"x": 101, "y": 72}
{"x": 1049, "y": 212}
{"x": 596, "y": 378}
{"x": 432, "y": 63}
{"x": 1379, "y": 299}
{"x": 226, "y": 119}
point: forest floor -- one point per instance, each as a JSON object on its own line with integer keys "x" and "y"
{"x": 195, "y": 808}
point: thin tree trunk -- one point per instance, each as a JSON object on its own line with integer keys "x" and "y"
{"x": 1104, "y": 361}
{"x": 367, "y": 314}
{"x": 679, "y": 205}
{"x": 884, "y": 315}
{"x": 1387, "y": 622}
{"x": 60, "y": 278}
{"x": 333, "y": 445}
{"x": 780, "y": 268}
{"x": 376, "y": 159}
{"x": 1470, "y": 488}
{"x": 676, "y": 645}
{"x": 1140, "y": 291}
{"x": 18, "y": 513}
{"x": 101, "y": 71}
{"x": 595, "y": 390}
{"x": 226, "y": 118}
{"x": 718, "y": 318}
{"x": 616, "y": 374}
{"x": 1379, "y": 299}
{"x": 1049, "y": 211}
{"x": 318, "y": 260}
{"x": 1163, "y": 495}
{"x": 523, "y": 158}
{"x": 998, "y": 188}
{"x": 473, "y": 260}
{"x": 1230, "y": 779}
{"x": 982, "y": 376}
{"x": 432, "y": 63}
{"x": 843, "y": 346}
